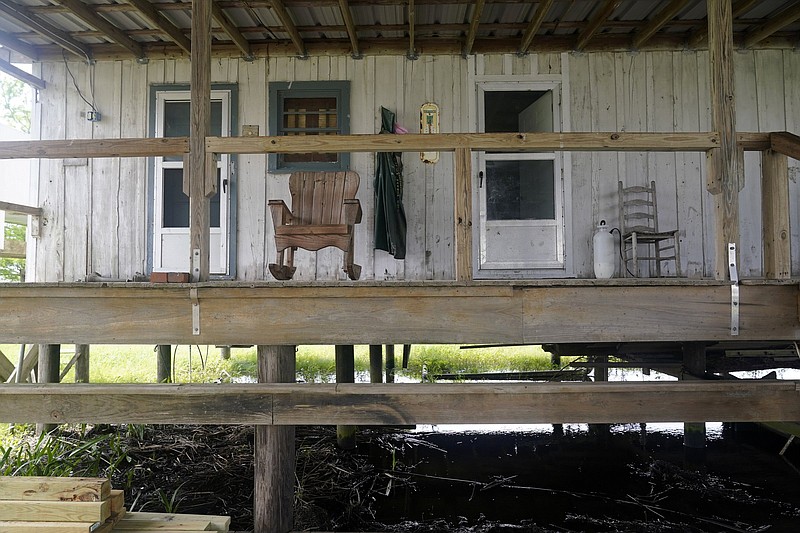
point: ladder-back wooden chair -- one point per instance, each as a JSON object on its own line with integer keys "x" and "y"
{"x": 324, "y": 211}
{"x": 638, "y": 219}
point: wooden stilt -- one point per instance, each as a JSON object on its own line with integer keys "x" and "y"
{"x": 82, "y": 363}
{"x": 345, "y": 373}
{"x": 390, "y": 363}
{"x": 49, "y": 372}
{"x": 600, "y": 374}
{"x": 274, "y": 451}
{"x": 694, "y": 365}
{"x": 164, "y": 363}
{"x": 225, "y": 352}
{"x": 375, "y": 363}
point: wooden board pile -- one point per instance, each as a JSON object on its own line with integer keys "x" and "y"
{"x": 85, "y": 505}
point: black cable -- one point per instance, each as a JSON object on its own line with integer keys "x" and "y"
{"x": 75, "y": 82}
{"x": 621, "y": 257}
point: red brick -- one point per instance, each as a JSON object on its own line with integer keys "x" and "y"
{"x": 178, "y": 277}
{"x": 158, "y": 277}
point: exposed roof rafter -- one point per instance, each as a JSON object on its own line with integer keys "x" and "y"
{"x": 477, "y": 11}
{"x": 344, "y": 7}
{"x": 149, "y": 12}
{"x": 61, "y": 38}
{"x": 289, "y": 26}
{"x": 21, "y": 75}
{"x": 12, "y": 43}
{"x": 535, "y": 24}
{"x": 601, "y": 15}
{"x": 781, "y": 20}
{"x": 412, "y": 21}
{"x": 658, "y": 22}
{"x": 83, "y": 12}
{"x": 233, "y": 32}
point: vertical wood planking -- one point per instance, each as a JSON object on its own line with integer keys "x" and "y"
{"x": 791, "y": 77}
{"x": 704, "y": 118}
{"x": 439, "y": 72}
{"x": 582, "y": 186}
{"x": 414, "y": 194}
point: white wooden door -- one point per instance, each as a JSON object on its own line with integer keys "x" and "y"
{"x": 520, "y": 195}
{"x": 171, "y": 205}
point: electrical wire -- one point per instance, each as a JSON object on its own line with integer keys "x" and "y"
{"x": 621, "y": 257}
{"x": 75, "y": 82}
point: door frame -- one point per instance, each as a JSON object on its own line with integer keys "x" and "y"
{"x": 562, "y": 163}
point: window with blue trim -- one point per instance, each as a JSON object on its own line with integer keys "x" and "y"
{"x": 309, "y": 108}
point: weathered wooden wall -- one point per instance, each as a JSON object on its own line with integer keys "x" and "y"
{"x": 96, "y": 210}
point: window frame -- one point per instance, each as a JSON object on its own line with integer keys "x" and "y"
{"x": 281, "y": 90}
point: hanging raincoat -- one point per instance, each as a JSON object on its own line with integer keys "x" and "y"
{"x": 390, "y": 217}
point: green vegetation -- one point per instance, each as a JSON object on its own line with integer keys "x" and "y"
{"x": 15, "y": 103}
{"x": 13, "y": 269}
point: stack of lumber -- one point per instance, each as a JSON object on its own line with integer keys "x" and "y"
{"x": 85, "y": 505}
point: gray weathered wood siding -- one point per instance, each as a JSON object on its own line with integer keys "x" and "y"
{"x": 96, "y": 210}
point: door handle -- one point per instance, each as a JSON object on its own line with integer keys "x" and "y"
{"x": 480, "y": 179}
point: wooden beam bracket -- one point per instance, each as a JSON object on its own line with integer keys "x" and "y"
{"x": 735, "y": 300}
{"x": 195, "y": 307}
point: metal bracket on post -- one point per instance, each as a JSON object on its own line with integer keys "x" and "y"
{"x": 196, "y": 265}
{"x": 734, "y": 275}
{"x": 195, "y": 311}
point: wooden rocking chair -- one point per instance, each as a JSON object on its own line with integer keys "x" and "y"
{"x": 324, "y": 211}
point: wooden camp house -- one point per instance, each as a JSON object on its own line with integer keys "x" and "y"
{"x": 165, "y": 128}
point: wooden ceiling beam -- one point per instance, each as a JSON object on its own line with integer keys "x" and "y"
{"x": 289, "y": 26}
{"x": 13, "y": 43}
{"x": 534, "y": 25}
{"x": 233, "y": 32}
{"x": 22, "y": 15}
{"x": 152, "y": 15}
{"x": 90, "y": 17}
{"x": 21, "y": 75}
{"x": 658, "y": 22}
{"x": 347, "y": 15}
{"x": 597, "y": 21}
{"x": 740, "y": 8}
{"x": 779, "y": 21}
{"x": 477, "y": 11}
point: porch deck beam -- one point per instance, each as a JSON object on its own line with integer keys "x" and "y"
{"x": 152, "y": 14}
{"x": 109, "y": 31}
{"x": 389, "y": 404}
{"x": 401, "y": 313}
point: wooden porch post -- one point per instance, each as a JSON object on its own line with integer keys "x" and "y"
{"x": 200, "y": 185}
{"x": 49, "y": 372}
{"x": 694, "y": 367}
{"x": 724, "y": 163}
{"x": 274, "y": 451}
{"x": 775, "y": 215}
{"x": 463, "y": 214}
{"x": 345, "y": 373}
{"x": 82, "y": 363}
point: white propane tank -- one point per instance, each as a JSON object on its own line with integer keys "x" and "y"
{"x": 604, "y": 263}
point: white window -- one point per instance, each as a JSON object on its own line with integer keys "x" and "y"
{"x": 170, "y": 204}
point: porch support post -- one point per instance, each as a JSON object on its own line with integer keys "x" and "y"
{"x": 200, "y": 187}
{"x": 375, "y": 363}
{"x": 274, "y": 451}
{"x": 775, "y": 215}
{"x": 694, "y": 367}
{"x": 49, "y": 372}
{"x": 164, "y": 363}
{"x": 82, "y": 363}
{"x": 345, "y": 373}
{"x": 463, "y": 214}
{"x": 724, "y": 163}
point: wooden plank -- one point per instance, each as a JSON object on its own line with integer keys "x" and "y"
{"x": 534, "y": 25}
{"x": 6, "y": 367}
{"x": 175, "y": 523}
{"x": 656, "y": 23}
{"x": 63, "y": 489}
{"x": 12, "y": 43}
{"x": 599, "y": 17}
{"x": 757, "y": 142}
{"x": 424, "y": 313}
{"x": 109, "y": 30}
{"x": 232, "y": 30}
{"x": 61, "y": 149}
{"x": 446, "y": 142}
{"x": 53, "y": 527}
{"x": 21, "y": 75}
{"x": 462, "y": 190}
{"x": 20, "y": 209}
{"x": 49, "y": 511}
{"x": 785, "y": 143}
{"x": 347, "y": 16}
{"x": 775, "y": 215}
{"x": 152, "y": 15}
{"x": 474, "y": 22}
{"x": 23, "y": 15}
{"x": 724, "y": 171}
{"x": 427, "y": 403}
{"x": 289, "y": 26}
{"x": 772, "y": 25}
{"x": 218, "y": 523}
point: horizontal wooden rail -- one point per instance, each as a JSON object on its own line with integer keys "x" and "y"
{"x": 60, "y": 149}
{"x": 504, "y": 142}
{"x": 20, "y": 209}
{"x": 409, "y": 313}
{"x": 382, "y": 404}
{"x": 785, "y": 143}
